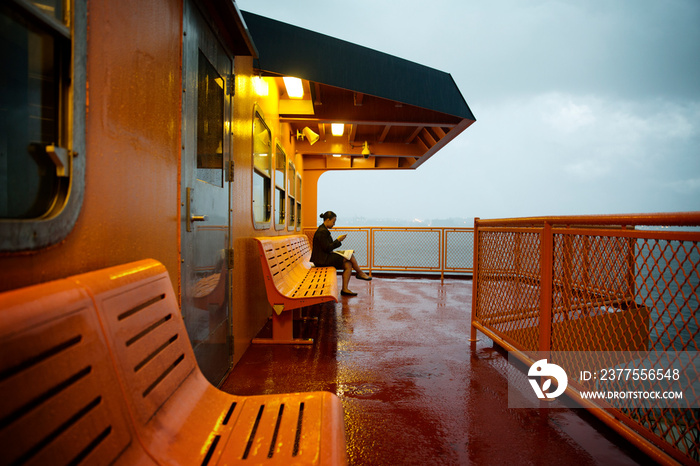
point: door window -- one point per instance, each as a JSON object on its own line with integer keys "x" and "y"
{"x": 210, "y": 124}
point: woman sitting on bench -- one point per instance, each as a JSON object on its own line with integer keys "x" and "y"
{"x": 322, "y": 254}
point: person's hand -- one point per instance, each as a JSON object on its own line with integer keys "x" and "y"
{"x": 342, "y": 237}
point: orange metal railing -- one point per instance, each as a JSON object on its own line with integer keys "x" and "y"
{"x": 613, "y": 284}
{"x": 437, "y": 250}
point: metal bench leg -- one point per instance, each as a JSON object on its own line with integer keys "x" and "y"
{"x": 283, "y": 331}
{"x": 304, "y": 314}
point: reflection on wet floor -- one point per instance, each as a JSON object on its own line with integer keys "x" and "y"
{"x": 415, "y": 390}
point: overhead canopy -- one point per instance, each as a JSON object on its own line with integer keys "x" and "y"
{"x": 403, "y": 110}
{"x": 231, "y": 27}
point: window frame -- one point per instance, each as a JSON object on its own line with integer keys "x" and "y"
{"x": 264, "y": 224}
{"x": 280, "y": 203}
{"x": 17, "y": 235}
{"x": 298, "y": 201}
{"x": 291, "y": 196}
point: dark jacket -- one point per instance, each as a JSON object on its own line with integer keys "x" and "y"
{"x": 323, "y": 246}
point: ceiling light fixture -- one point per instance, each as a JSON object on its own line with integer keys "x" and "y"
{"x": 337, "y": 129}
{"x": 294, "y": 86}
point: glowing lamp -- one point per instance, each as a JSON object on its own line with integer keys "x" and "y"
{"x": 295, "y": 89}
{"x": 260, "y": 86}
{"x": 337, "y": 129}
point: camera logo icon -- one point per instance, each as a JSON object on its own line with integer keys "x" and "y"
{"x": 551, "y": 371}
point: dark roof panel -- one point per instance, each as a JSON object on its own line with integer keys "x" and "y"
{"x": 294, "y": 51}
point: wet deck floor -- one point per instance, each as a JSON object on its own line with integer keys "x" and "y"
{"x": 416, "y": 391}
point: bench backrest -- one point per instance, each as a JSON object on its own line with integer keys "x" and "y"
{"x": 61, "y": 399}
{"x": 285, "y": 255}
{"x": 141, "y": 319}
{"x": 179, "y": 415}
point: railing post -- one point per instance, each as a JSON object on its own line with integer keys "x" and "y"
{"x": 443, "y": 254}
{"x": 631, "y": 268}
{"x": 546, "y": 266}
{"x": 370, "y": 249}
{"x": 475, "y": 274}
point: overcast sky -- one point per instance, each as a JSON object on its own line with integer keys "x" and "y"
{"x": 582, "y": 107}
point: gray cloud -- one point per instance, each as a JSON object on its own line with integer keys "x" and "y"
{"x": 582, "y": 107}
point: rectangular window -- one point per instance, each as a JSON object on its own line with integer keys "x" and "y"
{"x": 210, "y": 124}
{"x": 280, "y": 187}
{"x": 262, "y": 172}
{"x": 298, "y": 206}
{"x": 42, "y": 115}
{"x": 291, "y": 196}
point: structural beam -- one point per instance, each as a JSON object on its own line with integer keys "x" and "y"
{"x": 355, "y": 149}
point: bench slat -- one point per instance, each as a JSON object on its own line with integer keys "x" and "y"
{"x": 301, "y": 431}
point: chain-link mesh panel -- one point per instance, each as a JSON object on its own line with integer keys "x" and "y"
{"x": 508, "y": 286}
{"x": 459, "y": 250}
{"x": 620, "y": 292}
{"x": 427, "y": 250}
{"x": 667, "y": 285}
{"x": 592, "y": 304}
{"x": 356, "y": 240}
{"x": 406, "y": 249}
{"x": 666, "y": 279}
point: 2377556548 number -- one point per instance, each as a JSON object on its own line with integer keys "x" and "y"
{"x": 639, "y": 374}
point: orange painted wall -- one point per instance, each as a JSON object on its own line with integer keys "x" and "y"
{"x": 250, "y": 306}
{"x": 248, "y": 309}
{"x": 130, "y": 210}
{"x": 310, "y": 216}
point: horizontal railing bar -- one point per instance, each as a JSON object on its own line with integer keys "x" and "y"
{"x": 667, "y": 235}
{"x": 656, "y": 219}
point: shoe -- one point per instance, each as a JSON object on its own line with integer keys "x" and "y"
{"x": 348, "y": 293}
{"x": 367, "y": 278}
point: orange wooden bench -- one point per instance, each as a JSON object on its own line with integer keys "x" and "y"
{"x": 61, "y": 399}
{"x": 292, "y": 282}
{"x": 99, "y": 367}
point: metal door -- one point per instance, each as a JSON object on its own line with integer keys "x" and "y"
{"x": 205, "y": 242}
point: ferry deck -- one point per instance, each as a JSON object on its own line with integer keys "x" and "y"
{"x": 416, "y": 390}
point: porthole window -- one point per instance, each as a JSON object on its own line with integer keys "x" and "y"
{"x": 42, "y": 121}
{"x": 262, "y": 172}
{"x": 280, "y": 187}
